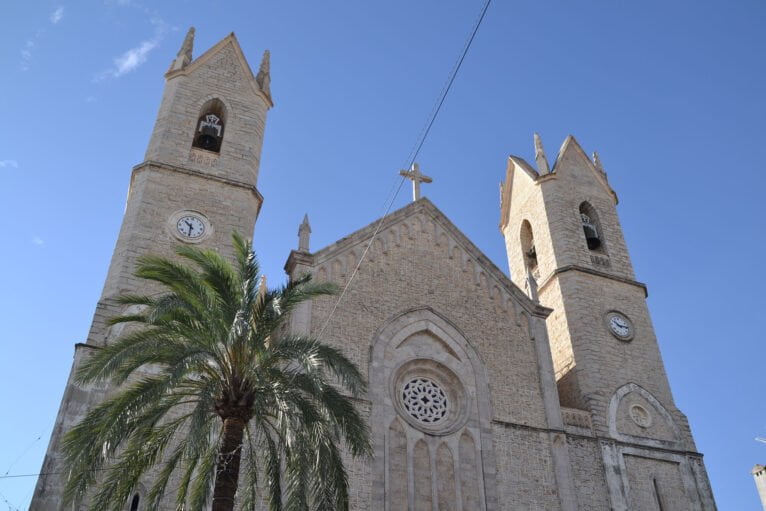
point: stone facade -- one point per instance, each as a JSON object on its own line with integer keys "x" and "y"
{"x": 485, "y": 393}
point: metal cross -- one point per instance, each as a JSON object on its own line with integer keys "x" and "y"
{"x": 416, "y": 177}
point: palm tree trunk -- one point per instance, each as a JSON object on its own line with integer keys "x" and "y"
{"x": 227, "y": 465}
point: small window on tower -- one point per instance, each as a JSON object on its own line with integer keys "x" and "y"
{"x": 591, "y": 228}
{"x": 208, "y": 134}
{"x": 134, "y": 502}
{"x": 528, "y": 249}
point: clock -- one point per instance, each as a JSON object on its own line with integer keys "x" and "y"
{"x": 619, "y": 325}
{"x": 190, "y": 226}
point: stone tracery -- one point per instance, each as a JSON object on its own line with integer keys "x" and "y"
{"x": 424, "y": 400}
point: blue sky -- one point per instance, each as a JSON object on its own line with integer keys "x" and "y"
{"x": 671, "y": 94}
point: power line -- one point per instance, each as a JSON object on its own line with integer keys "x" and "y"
{"x": 411, "y": 158}
{"x": 447, "y": 87}
{"x": 23, "y": 453}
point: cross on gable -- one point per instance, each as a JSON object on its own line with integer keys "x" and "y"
{"x": 416, "y": 177}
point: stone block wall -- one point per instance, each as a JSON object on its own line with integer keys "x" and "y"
{"x": 422, "y": 275}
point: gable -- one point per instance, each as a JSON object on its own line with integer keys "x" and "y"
{"x": 420, "y": 279}
{"x": 227, "y": 49}
{"x": 416, "y": 220}
{"x": 573, "y": 162}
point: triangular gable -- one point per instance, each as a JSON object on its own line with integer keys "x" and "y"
{"x": 229, "y": 40}
{"x": 425, "y": 206}
{"x": 571, "y": 148}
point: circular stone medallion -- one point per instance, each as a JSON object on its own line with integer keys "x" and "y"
{"x": 640, "y": 416}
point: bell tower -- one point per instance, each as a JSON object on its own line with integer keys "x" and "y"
{"x": 566, "y": 249}
{"x": 197, "y": 184}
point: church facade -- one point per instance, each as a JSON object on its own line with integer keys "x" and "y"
{"x": 545, "y": 392}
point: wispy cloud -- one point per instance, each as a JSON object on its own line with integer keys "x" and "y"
{"x": 37, "y": 240}
{"x": 26, "y": 54}
{"x": 27, "y": 50}
{"x": 9, "y": 164}
{"x": 134, "y": 57}
{"x": 56, "y": 15}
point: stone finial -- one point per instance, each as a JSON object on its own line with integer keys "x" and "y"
{"x": 263, "y": 78}
{"x": 597, "y": 163}
{"x": 304, "y": 233}
{"x": 542, "y": 161}
{"x": 262, "y": 288}
{"x": 184, "y": 56}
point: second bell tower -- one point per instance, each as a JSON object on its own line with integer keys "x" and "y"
{"x": 566, "y": 249}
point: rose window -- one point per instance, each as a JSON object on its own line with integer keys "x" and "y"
{"x": 424, "y": 400}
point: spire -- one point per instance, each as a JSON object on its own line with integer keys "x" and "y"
{"x": 542, "y": 161}
{"x": 263, "y": 78}
{"x": 304, "y": 233}
{"x": 597, "y": 163}
{"x": 184, "y": 56}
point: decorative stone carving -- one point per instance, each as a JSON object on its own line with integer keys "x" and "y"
{"x": 203, "y": 157}
{"x": 429, "y": 396}
{"x": 424, "y": 400}
{"x": 640, "y": 416}
{"x": 577, "y": 418}
{"x": 600, "y": 260}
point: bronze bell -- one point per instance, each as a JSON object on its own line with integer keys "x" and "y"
{"x": 208, "y": 138}
{"x": 591, "y": 234}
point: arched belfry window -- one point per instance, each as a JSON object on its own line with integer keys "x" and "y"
{"x": 208, "y": 133}
{"x": 528, "y": 250}
{"x": 134, "y": 502}
{"x": 594, "y": 236}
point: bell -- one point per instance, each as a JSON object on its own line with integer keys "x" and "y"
{"x": 591, "y": 236}
{"x": 591, "y": 233}
{"x": 208, "y": 138}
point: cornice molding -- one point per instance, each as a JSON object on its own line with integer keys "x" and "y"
{"x": 583, "y": 269}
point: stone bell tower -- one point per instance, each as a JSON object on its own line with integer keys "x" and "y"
{"x": 198, "y": 181}
{"x": 566, "y": 249}
{"x": 197, "y": 184}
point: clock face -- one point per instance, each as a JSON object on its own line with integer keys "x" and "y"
{"x": 190, "y": 227}
{"x": 620, "y": 326}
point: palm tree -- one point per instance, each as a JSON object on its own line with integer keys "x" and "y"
{"x": 211, "y": 386}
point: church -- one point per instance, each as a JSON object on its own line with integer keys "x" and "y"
{"x": 546, "y": 391}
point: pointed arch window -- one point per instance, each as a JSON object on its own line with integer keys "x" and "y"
{"x": 209, "y": 130}
{"x": 134, "y": 502}
{"x": 594, "y": 236}
{"x": 528, "y": 250}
